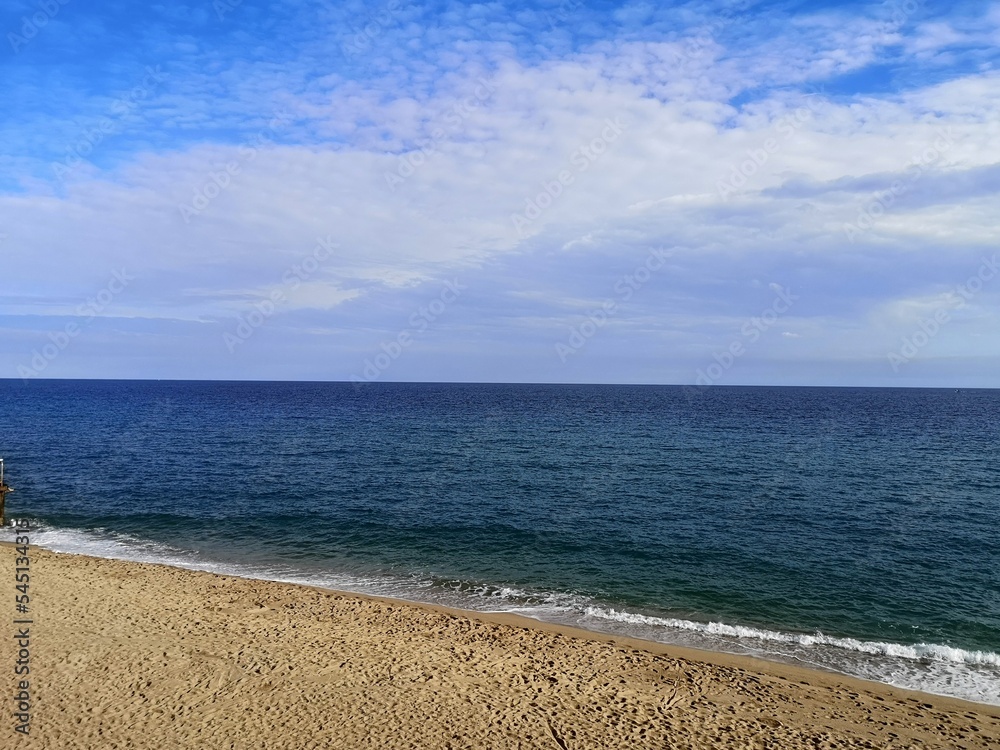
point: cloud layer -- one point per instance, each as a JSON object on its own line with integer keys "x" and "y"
{"x": 537, "y": 192}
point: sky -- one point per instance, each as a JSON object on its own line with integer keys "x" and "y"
{"x": 712, "y": 193}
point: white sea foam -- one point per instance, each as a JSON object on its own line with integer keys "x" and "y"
{"x": 929, "y": 667}
{"x": 115, "y": 546}
{"x": 920, "y": 651}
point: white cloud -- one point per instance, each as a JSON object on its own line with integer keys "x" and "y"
{"x": 467, "y": 162}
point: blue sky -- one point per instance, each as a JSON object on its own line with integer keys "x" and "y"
{"x": 716, "y": 192}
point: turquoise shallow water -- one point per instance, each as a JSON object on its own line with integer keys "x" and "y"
{"x": 849, "y": 529}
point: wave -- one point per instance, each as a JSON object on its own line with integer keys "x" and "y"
{"x": 927, "y": 667}
{"x": 918, "y": 652}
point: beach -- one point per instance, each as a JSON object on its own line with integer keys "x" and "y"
{"x": 135, "y": 655}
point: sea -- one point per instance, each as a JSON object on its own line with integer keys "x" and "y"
{"x": 855, "y": 530}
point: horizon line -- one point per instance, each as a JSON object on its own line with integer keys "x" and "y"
{"x": 359, "y": 384}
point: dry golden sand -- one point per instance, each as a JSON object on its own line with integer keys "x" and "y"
{"x": 128, "y": 655}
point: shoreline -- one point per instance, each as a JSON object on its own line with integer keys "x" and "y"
{"x": 135, "y": 646}
{"x": 511, "y": 619}
{"x": 694, "y": 655}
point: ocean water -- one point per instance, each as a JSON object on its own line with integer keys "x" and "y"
{"x": 855, "y": 530}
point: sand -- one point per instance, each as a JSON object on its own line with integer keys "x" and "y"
{"x": 128, "y": 655}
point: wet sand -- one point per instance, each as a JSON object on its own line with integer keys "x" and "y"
{"x": 130, "y": 655}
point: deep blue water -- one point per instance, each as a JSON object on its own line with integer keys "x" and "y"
{"x": 852, "y": 529}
